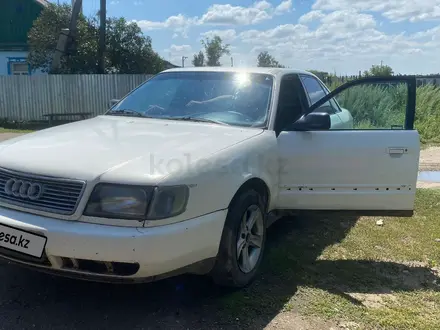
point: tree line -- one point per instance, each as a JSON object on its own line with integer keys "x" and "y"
{"x": 214, "y": 49}
{"x": 128, "y": 50}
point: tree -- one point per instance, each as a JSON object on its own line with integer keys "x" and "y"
{"x": 379, "y": 70}
{"x": 264, "y": 59}
{"x": 214, "y": 50}
{"x": 127, "y": 49}
{"x": 199, "y": 59}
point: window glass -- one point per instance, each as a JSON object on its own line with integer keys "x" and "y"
{"x": 19, "y": 68}
{"x": 315, "y": 92}
{"x": 241, "y": 99}
{"x": 289, "y": 103}
{"x": 374, "y": 105}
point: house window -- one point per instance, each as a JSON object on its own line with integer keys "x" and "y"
{"x": 18, "y": 66}
{"x": 19, "y": 69}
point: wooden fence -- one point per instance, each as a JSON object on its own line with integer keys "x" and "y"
{"x": 28, "y": 98}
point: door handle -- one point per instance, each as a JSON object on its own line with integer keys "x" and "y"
{"x": 397, "y": 151}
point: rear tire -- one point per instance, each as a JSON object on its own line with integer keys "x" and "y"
{"x": 243, "y": 241}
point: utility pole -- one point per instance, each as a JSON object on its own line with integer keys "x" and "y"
{"x": 73, "y": 4}
{"x": 66, "y": 35}
{"x": 183, "y": 61}
{"x": 232, "y": 61}
{"x": 102, "y": 28}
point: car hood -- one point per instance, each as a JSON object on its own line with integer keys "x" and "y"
{"x": 117, "y": 147}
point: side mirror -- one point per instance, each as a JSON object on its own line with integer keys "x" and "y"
{"x": 113, "y": 102}
{"x": 314, "y": 121}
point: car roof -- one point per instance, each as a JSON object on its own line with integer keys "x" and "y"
{"x": 272, "y": 71}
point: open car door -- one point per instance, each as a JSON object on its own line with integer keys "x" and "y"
{"x": 370, "y": 168}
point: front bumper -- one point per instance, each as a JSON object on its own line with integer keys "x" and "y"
{"x": 111, "y": 253}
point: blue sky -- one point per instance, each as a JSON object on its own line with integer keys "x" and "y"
{"x": 342, "y": 36}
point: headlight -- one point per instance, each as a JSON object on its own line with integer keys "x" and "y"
{"x": 168, "y": 202}
{"x": 136, "y": 202}
{"x": 119, "y": 201}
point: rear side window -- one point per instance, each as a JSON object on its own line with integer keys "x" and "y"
{"x": 315, "y": 92}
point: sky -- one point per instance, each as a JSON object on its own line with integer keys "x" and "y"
{"x": 338, "y": 36}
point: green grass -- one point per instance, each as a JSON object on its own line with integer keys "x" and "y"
{"x": 345, "y": 269}
{"x": 373, "y": 106}
{"x": 11, "y": 130}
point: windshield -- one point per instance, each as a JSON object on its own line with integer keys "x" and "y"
{"x": 230, "y": 98}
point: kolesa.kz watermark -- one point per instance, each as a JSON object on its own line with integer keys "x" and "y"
{"x": 220, "y": 165}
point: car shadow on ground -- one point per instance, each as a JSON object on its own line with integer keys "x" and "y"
{"x": 32, "y": 300}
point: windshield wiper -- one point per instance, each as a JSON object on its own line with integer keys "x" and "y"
{"x": 203, "y": 120}
{"x": 133, "y": 113}
{"x": 125, "y": 112}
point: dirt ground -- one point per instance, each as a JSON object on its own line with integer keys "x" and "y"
{"x": 6, "y": 136}
{"x": 32, "y": 299}
{"x": 430, "y": 159}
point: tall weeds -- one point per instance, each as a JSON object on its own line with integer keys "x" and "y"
{"x": 384, "y": 106}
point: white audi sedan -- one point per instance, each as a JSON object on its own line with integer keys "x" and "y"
{"x": 187, "y": 171}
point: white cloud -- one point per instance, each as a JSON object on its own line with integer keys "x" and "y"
{"x": 219, "y": 15}
{"x": 179, "y": 23}
{"x": 280, "y": 33}
{"x": 395, "y": 10}
{"x": 311, "y": 16}
{"x": 284, "y": 7}
{"x": 226, "y": 35}
{"x": 433, "y": 34}
{"x": 178, "y": 49}
{"x": 344, "y": 24}
{"x": 227, "y": 14}
{"x": 344, "y": 39}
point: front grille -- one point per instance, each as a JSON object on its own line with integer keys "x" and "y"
{"x": 59, "y": 196}
{"x": 100, "y": 267}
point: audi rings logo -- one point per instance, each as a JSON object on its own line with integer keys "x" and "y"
{"x": 23, "y": 189}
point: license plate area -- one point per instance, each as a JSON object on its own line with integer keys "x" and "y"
{"x": 21, "y": 241}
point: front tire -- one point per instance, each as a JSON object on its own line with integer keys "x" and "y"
{"x": 243, "y": 241}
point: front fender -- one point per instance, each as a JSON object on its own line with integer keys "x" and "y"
{"x": 214, "y": 181}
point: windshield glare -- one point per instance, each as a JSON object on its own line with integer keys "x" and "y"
{"x": 232, "y": 98}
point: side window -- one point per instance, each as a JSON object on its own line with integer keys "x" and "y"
{"x": 289, "y": 103}
{"x": 333, "y": 101}
{"x": 315, "y": 92}
{"x": 375, "y": 104}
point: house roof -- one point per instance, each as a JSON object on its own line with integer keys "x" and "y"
{"x": 16, "y": 19}
{"x": 43, "y": 2}
{"x": 170, "y": 65}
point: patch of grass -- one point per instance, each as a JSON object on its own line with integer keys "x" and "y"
{"x": 11, "y": 130}
{"x": 351, "y": 270}
{"x": 375, "y": 106}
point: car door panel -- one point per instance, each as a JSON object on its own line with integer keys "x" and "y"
{"x": 348, "y": 170}
{"x": 370, "y": 171}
